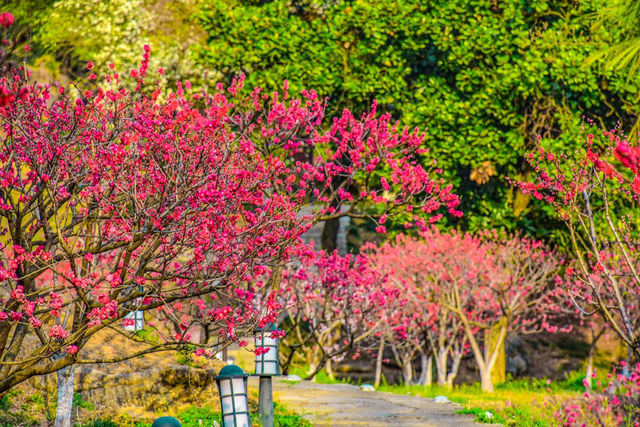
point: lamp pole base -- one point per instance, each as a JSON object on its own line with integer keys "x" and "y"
{"x": 265, "y": 402}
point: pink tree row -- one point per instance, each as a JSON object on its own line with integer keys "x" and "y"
{"x": 436, "y": 296}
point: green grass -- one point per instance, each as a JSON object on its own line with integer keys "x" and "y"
{"x": 514, "y": 403}
{"x": 526, "y": 402}
{"x": 205, "y": 416}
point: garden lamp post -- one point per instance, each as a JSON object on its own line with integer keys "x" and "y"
{"x": 166, "y": 422}
{"x": 232, "y": 387}
{"x": 134, "y": 320}
{"x": 267, "y": 365}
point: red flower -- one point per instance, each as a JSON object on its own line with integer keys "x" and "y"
{"x": 6, "y": 97}
{"x": 624, "y": 153}
{"x": 6, "y": 19}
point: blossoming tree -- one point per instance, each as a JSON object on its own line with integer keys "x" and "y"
{"x": 332, "y": 303}
{"x": 367, "y": 167}
{"x": 474, "y": 291}
{"x": 422, "y": 267}
{"x": 594, "y": 192}
{"x": 120, "y": 201}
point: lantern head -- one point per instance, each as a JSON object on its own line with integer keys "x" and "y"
{"x": 232, "y": 387}
{"x": 267, "y": 364}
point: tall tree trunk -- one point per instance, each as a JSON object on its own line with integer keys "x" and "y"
{"x": 592, "y": 351}
{"x": 441, "y": 366}
{"x": 426, "y": 366}
{"x": 485, "y": 359}
{"x": 406, "y": 364}
{"x": 329, "y": 368}
{"x": 455, "y": 366}
{"x": 378, "y": 375}
{"x": 315, "y": 362}
{"x": 485, "y": 379}
{"x": 407, "y": 371}
{"x": 495, "y": 339}
{"x": 329, "y": 238}
{"x": 65, "y": 396}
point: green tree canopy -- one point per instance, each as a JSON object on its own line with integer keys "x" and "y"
{"x": 483, "y": 77}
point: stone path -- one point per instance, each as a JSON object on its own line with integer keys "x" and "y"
{"x": 346, "y": 405}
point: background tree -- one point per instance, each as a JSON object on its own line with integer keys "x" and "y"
{"x": 483, "y": 78}
{"x": 332, "y": 304}
{"x": 595, "y": 195}
{"x": 620, "y": 16}
{"x": 420, "y": 268}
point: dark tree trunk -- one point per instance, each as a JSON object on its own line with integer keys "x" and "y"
{"x": 329, "y": 239}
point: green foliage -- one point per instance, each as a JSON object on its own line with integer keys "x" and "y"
{"x": 70, "y": 33}
{"x": 482, "y": 415}
{"x": 484, "y": 78}
{"x": 12, "y": 415}
{"x": 521, "y": 416}
{"x": 205, "y": 416}
{"x": 286, "y": 418}
{"x": 199, "y": 416}
{"x": 623, "y": 17}
{"x": 5, "y": 402}
{"x": 79, "y": 402}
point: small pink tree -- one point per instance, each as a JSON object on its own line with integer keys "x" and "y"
{"x": 332, "y": 303}
{"x": 403, "y": 331}
{"x": 517, "y": 291}
{"x": 430, "y": 329}
{"x": 594, "y": 192}
{"x": 487, "y": 285}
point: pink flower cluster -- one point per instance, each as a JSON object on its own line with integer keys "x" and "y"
{"x": 181, "y": 203}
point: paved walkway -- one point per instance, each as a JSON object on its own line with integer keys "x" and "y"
{"x": 346, "y": 405}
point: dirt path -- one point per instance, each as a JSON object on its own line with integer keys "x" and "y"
{"x": 347, "y": 405}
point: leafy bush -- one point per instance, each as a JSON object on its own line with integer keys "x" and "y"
{"x": 486, "y": 77}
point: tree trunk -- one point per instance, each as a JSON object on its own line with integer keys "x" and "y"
{"x": 65, "y": 396}
{"x": 455, "y": 366}
{"x": 329, "y": 238}
{"x": 378, "y": 376}
{"x": 485, "y": 379}
{"x": 495, "y": 339}
{"x": 441, "y": 366}
{"x": 312, "y": 372}
{"x": 329, "y": 368}
{"x": 426, "y": 366}
{"x": 589, "y": 374}
{"x": 407, "y": 371}
{"x": 592, "y": 352}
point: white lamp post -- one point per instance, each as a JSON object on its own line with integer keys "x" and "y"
{"x": 267, "y": 365}
{"x": 137, "y": 316}
{"x": 232, "y": 387}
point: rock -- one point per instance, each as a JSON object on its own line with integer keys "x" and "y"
{"x": 293, "y": 378}
{"x": 441, "y": 399}
{"x": 367, "y": 387}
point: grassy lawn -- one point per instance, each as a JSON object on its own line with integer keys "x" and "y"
{"x": 517, "y": 402}
{"x": 514, "y": 403}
